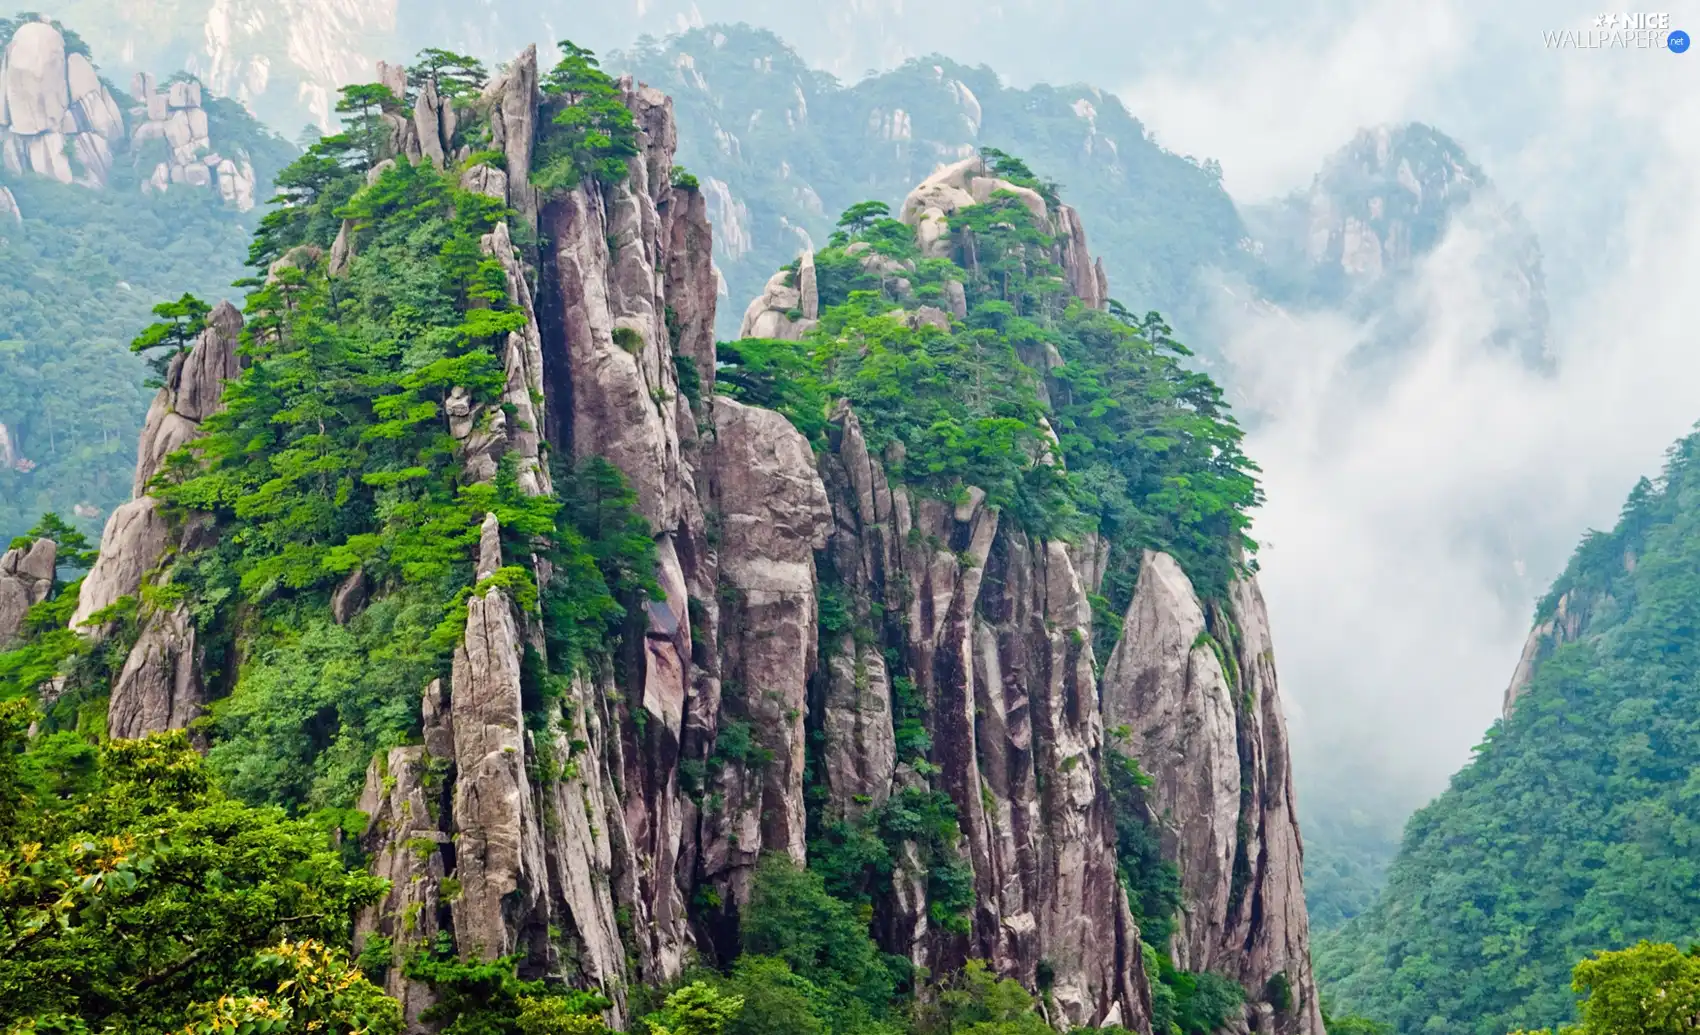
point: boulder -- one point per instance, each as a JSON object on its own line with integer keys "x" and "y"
{"x": 37, "y": 85}
{"x": 26, "y": 579}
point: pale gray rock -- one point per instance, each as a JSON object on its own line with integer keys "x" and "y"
{"x": 512, "y": 101}
{"x": 1198, "y": 699}
{"x": 393, "y": 78}
{"x": 806, "y": 288}
{"x": 194, "y": 386}
{"x": 403, "y": 803}
{"x": 958, "y": 298}
{"x": 774, "y": 514}
{"x": 523, "y": 364}
{"x": 781, "y": 309}
{"x": 9, "y": 210}
{"x": 428, "y": 123}
{"x": 135, "y": 539}
{"x": 37, "y": 86}
{"x": 498, "y": 836}
{"x": 349, "y": 596}
{"x": 342, "y": 250}
{"x": 485, "y": 179}
{"x": 1567, "y": 624}
{"x": 26, "y": 579}
{"x": 1165, "y": 683}
{"x": 160, "y": 686}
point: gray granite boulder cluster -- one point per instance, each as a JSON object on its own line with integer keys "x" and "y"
{"x": 57, "y": 118}
{"x": 175, "y": 115}
{"x": 60, "y": 120}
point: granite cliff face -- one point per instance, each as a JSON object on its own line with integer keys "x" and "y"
{"x": 637, "y": 852}
{"x": 1194, "y": 686}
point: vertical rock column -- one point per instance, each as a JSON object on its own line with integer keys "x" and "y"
{"x": 1198, "y": 694}
{"x": 774, "y": 515}
{"x": 160, "y": 685}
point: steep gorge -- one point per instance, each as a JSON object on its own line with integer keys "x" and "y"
{"x": 829, "y": 641}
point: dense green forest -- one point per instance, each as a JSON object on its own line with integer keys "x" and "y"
{"x": 78, "y": 275}
{"x": 1577, "y": 825}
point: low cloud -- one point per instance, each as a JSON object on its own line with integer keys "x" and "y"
{"x": 1412, "y": 521}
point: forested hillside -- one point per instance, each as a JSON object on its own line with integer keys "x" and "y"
{"x": 1577, "y": 826}
{"x": 81, "y": 264}
{"x": 557, "y": 669}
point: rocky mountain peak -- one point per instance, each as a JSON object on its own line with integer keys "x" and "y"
{"x": 830, "y": 643}
{"x": 1379, "y": 207}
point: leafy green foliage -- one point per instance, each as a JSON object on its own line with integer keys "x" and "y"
{"x": 332, "y": 450}
{"x": 148, "y": 897}
{"x": 1573, "y": 829}
{"x": 1153, "y": 883}
{"x": 73, "y": 546}
{"x": 604, "y": 563}
{"x": 458, "y": 78}
{"x": 791, "y": 917}
{"x": 182, "y": 321}
{"x": 855, "y": 858}
{"x": 1150, "y": 456}
{"x": 976, "y": 1002}
{"x": 591, "y": 133}
{"x": 1646, "y": 989}
{"x": 696, "y": 1009}
{"x": 316, "y": 699}
{"x": 489, "y": 998}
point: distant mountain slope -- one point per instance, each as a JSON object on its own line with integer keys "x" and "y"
{"x": 781, "y": 148}
{"x": 1577, "y": 826}
{"x": 1378, "y": 206}
{"x": 81, "y": 263}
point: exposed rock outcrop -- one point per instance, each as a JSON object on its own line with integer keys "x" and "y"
{"x": 1195, "y": 690}
{"x": 403, "y": 803}
{"x": 773, "y": 516}
{"x": 992, "y": 628}
{"x": 813, "y": 617}
{"x": 1388, "y": 199}
{"x": 26, "y": 579}
{"x": 175, "y": 116}
{"x": 9, "y": 210}
{"x": 160, "y": 686}
{"x": 1567, "y": 623}
{"x": 783, "y": 309}
{"x": 929, "y": 206}
{"x": 56, "y": 117}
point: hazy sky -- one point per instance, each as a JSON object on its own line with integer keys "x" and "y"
{"x": 1394, "y": 627}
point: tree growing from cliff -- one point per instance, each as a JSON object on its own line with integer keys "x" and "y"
{"x": 457, "y": 77}
{"x": 858, "y": 217}
{"x": 181, "y": 322}
{"x": 364, "y": 106}
{"x": 591, "y": 133}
